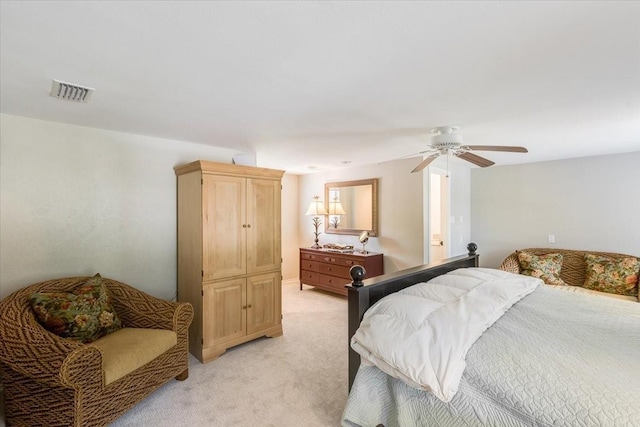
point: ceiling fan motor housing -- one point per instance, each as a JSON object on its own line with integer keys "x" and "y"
{"x": 446, "y": 138}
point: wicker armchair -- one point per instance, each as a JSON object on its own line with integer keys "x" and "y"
{"x": 574, "y": 266}
{"x": 53, "y": 381}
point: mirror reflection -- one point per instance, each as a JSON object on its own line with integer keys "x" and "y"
{"x": 352, "y": 207}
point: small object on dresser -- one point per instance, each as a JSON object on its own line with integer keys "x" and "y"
{"x": 334, "y": 247}
{"x": 472, "y": 247}
{"x": 357, "y": 273}
{"x": 364, "y": 238}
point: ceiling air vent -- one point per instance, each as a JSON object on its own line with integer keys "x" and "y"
{"x": 71, "y": 92}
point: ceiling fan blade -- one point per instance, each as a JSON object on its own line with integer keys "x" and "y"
{"x": 476, "y": 160}
{"x": 425, "y": 163}
{"x": 408, "y": 156}
{"x": 507, "y": 148}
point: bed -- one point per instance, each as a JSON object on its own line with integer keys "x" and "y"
{"x": 553, "y": 358}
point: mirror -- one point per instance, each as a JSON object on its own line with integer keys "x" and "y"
{"x": 352, "y": 207}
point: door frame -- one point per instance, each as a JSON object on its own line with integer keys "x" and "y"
{"x": 445, "y": 200}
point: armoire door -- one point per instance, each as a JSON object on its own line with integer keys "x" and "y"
{"x": 224, "y": 306}
{"x": 224, "y": 249}
{"x": 264, "y": 302}
{"x": 264, "y": 233}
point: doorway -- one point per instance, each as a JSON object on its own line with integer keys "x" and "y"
{"x": 438, "y": 215}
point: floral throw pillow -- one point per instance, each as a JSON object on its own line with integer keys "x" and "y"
{"x": 85, "y": 315}
{"x": 612, "y": 276}
{"x": 546, "y": 267}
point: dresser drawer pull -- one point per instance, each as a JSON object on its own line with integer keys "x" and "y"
{"x": 349, "y": 262}
{"x": 329, "y": 269}
{"x": 326, "y": 258}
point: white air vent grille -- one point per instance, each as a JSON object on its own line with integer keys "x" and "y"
{"x": 71, "y": 92}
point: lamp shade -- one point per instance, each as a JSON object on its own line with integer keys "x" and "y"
{"x": 335, "y": 208}
{"x": 316, "y": 208}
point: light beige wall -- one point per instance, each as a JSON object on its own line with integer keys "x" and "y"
{"x": 400, "y": 211}
{"x": 290, "y": 227}
{"x": 77, "y": 201}
{"x": 589, "y": 203}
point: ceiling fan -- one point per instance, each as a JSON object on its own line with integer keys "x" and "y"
{"x": 446, "y": 140}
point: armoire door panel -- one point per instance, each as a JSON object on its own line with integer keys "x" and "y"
{"x": 263, "y": 237}
{"x": 224, "y": 226}
{"x": 224, "y": 303}
{"x": 264, "y": 299}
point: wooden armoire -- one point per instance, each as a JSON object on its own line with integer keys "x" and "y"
{"x": 229, "y": 254}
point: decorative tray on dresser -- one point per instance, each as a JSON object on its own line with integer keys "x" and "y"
{"x": 328, "y": 270}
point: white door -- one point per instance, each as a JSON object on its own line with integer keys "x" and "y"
{"x": 438, "y": 237}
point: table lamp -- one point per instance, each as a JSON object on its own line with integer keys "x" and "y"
{"x": 316, "y": 208}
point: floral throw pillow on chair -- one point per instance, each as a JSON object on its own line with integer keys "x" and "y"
{"x": 612, "y": 276}
{"x": 546, "y": 267}
{"x": 86, "y": 314}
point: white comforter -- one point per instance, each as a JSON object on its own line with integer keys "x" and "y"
{"x": 421, "y": 334}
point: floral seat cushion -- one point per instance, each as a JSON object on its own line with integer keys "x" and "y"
{"x": 86, "y": 314}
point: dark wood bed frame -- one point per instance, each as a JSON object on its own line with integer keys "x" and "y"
{"x": 363, "y": 294}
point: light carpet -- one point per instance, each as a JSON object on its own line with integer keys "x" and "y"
{"x": 298, "y": 379}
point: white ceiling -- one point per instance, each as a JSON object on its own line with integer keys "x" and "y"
{"x": 317, "y": 83}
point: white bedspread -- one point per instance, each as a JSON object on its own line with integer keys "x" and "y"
{"x": 555, "y": 358}
{"x": 421, "y": 334}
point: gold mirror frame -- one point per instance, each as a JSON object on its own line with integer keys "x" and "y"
{"x": 373, "y": 184}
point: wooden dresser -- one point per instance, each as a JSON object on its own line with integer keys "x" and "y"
{"x": 330, "y": 270}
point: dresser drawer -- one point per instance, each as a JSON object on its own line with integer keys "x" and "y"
{"x": 348, "y": 262}
{"x": 331, "y": 259}
{"x": 335, "y": 270}
{"x": 309, "y": 276}
{"x": 338, "y": 260}
{"x": 309, "y": 265}
{"x": 310, "y": 257}
{"x": 332, "y": 281}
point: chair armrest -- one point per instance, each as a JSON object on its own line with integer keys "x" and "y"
{"x": 511, "y": 264}
{"x": 82, "y": 369}
{"x": 140, "y": 310}
{"x": 182, "y": 317}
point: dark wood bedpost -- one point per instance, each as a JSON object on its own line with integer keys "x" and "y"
{"x": 357, "y": 296}
{"x": 362, "y": 294}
